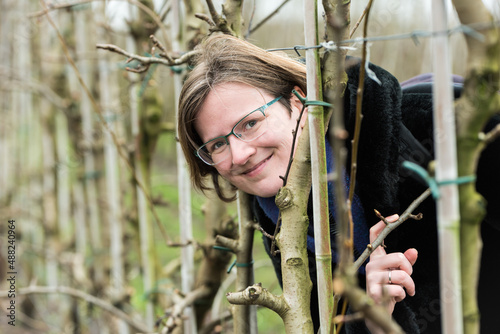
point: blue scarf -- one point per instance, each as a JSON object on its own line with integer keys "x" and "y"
{"x": 361, "y": 231}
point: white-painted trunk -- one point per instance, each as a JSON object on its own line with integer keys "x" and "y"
{"x": 145, "y": 227}
{"x": 49, "y": 163}
{"x": 184, "y": 185}
{"x": 446, "y": 169}
{"x": 318, "y": 164}
{"x": 113, "y": 215}
{"x": 88, "y": 129}
{"x": 6, "y": 114}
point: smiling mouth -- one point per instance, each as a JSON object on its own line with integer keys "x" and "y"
{"x": 257, "y": 166}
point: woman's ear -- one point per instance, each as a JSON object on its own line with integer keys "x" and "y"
{"x": 297, "y": 104}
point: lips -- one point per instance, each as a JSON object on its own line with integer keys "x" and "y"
{"x": 255, "y": 168}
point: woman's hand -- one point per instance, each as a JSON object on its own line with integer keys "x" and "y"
{"x": 388, "y": 276}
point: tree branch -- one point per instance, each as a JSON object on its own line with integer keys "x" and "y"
{"x": 148, "y": 60}
{"x": 267, "y": 18}
{"x": 85, "y": 296}
{"x": 219, "y": 22}
{"x": 390, "y": 227}
{"x": 491, "y": 136}
{"x": 232, "y": 244}
{"x": 257, "y": 295}
{"x": 362, "y": 303}
{"x": 205, "y": 18}
{"x": 50, "y": 7}
{"x": 175, "y": 313}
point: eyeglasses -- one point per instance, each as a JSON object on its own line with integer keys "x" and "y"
{"x": 249, "y": 128}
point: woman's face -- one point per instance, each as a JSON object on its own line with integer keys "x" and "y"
{"x": 254, "y": 167}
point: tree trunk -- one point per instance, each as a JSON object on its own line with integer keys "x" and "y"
{"x": 113, "y": 201}
{"x": 446, "y": 169}
{"x": 184, "y": 185}
{"x": 318, "y": 170}
{"x": 245, "y": 316}
{"x": 87, "y": 144}
{"x": 291, "y": 240}
{"x": 478, "y": 103}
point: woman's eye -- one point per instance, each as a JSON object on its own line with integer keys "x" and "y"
{"x": 217, "y": 145}
{"x": 250, "y": 124}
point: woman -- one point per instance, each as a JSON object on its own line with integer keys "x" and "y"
{"x": 237, "y": 113}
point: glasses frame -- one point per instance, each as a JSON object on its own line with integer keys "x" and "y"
{"x": 261, "y": 109}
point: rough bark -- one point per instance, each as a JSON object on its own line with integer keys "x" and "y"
{"x": 292, "y": 201}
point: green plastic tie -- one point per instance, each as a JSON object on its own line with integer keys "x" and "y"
{"x": 224, "y": 249}
{"x": 311, "y": 103}
{"x": 433, "y": 184}
{"x": 238, "y": 265}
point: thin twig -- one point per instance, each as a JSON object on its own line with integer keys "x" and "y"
{"x": 359, "y": 107}
{"x": 294, "y": 142}
{"x": 85, "y": 296}
{"x": 181, "y": 244}
{"x": 341, "y": 319}
{"x": 219, "y": 22}
{"x": 390, "y": 227}
{"x": 213, "y": 11}
{"x": 174, "y": 314}
{"x": 267, "y": 18}
{"x": 250, "y": 23}
{"x": 358, "y": 119}
{"x": 205, "y": 18}
{"x": 141, "y": 6}
{"x": 164, "y": 53}
{"x": 382, "y": 218}
{"x": 148, "y": 60}
{"x": 257, "y": 226}
{"x": 210, "y": 327}
{"x": 367, "y": 9}
{"x": 489, "y": 137}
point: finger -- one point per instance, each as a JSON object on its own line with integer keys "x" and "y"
{"x": 390, "y": 276}
{"x": 395, "y": 260}
{"x": 396, "y": 292}
{"x": 390, "y": 279}
{"x": 375, "y": 230}
{"x": 411, "y": 254}
{"x": 392, "y": 291}
{"x": 401, "y": 278}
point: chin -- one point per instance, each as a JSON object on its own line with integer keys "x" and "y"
{"x": 268, "y": 192}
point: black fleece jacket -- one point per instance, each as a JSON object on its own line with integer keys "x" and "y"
{"x": 384, "y": 185}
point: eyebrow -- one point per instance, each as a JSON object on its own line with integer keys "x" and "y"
{"x": 234, "y": 124}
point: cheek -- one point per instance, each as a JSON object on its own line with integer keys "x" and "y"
{"x": 223, "y": 168}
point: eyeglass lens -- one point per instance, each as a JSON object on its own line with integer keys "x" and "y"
{"x": 247, "y": 129}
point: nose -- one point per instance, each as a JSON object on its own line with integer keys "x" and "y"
{"x": 240, "y": 151}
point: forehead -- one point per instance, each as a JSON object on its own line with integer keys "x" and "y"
{"x": 224, "y": 106}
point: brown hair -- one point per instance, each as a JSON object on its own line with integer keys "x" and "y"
{"x": 222, "y": 59}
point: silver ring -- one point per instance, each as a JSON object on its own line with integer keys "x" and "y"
{"x": 390, "y": 276}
